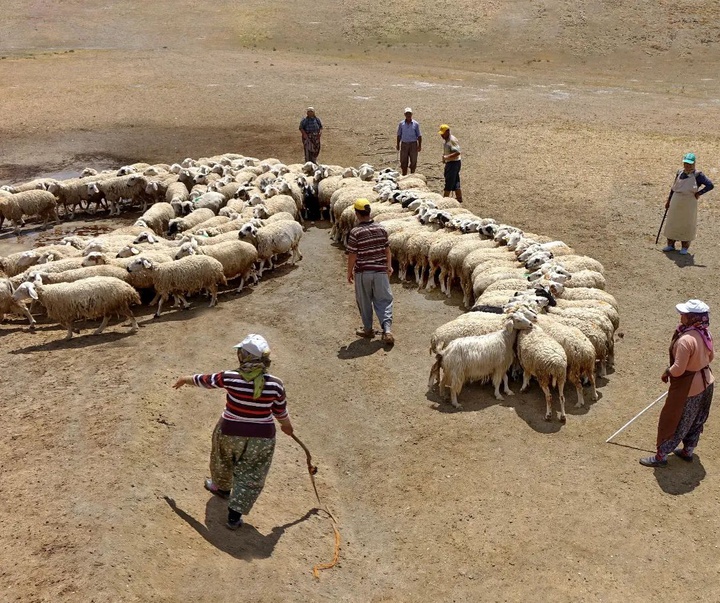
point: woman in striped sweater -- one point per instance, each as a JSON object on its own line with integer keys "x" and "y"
{"x": 243, "y": 441}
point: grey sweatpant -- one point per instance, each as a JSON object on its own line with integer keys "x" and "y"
{"x": 372, "y": 290}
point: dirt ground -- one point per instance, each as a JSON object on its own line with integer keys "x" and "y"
{"x": 572, "y": 120}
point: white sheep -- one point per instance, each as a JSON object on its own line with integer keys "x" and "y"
{"x": 70, "y": 276}
{"x": 542, "y": 357}
{"x": 86, "y": 299}
{"x": 34, "y": 202}
{"x": 10, "y": 305}
{"x": 272, "y": 240}
{"x": 181, "y": 277}
{"x": 198, "y": 216}
{"x": 236, "y": 257}
{"x": 275, "y": 205}
{"x": 579, "y": 351}
{"x": 478, "y": 358}
{"x": 157, "y": 217}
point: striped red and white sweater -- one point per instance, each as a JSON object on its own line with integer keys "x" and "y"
{"x": 244, "y": 415}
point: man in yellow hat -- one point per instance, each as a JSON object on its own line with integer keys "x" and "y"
{"x": 451, "y": 159}
{"x": 369, "y": 268}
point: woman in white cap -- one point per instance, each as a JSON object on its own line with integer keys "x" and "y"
{"x": 243, "y": 441}
{"x": 311, "y": 131}
{"x": 682, "y": 205}
{"x": 691, "y": 385}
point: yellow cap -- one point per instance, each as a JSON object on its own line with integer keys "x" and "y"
{"x": 444, "y": 128}
{"x": 362, "y": 205}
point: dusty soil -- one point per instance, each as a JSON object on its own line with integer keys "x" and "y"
{"x": 572, "y": 121}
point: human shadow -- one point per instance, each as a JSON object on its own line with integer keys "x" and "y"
{"x": 683, "y": 261}
{"x": 680, "y": 477}
{"x": 247, "y": 543}
{"x": 359, "y": 348}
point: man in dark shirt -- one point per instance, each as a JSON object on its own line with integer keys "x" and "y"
{"x": 369, "y": 268}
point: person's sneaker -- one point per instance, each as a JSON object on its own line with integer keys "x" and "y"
{"x": 653, "y": 461}
{"x": 363, "y": 333}
{"x": 669, "y": 248}
{"x": 388, "y": 338}
{"x": 234, "y": 521}
{"x": 211, "y": 487}
{"x": 678, "y": 452}
{"x": 684, "y": 251}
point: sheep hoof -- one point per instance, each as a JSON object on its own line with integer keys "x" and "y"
{"x": 156, "y": 315}
{"x": 548, "y": 417}
{"x": 499, "y": 398}
{"x": 563, "y": 419}
{"x": 594, "y": 397}
{"x": 579, "y": 405}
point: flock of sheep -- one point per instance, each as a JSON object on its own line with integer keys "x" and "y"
{"x": 204, "y": 223}
{"x": 535, "y": 305}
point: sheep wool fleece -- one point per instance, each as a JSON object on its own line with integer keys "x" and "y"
{"x": 240, "y": 465}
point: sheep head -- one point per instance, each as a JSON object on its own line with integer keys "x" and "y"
{"x": 25, "y": 291}
{"x": 139, "y": 264}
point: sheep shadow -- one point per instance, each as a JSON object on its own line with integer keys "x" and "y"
{"x": 245, "y": 544}
{"x": 680, "y": 477}
{"x": 76, "y": 343}
{"x": 360, "y": 348}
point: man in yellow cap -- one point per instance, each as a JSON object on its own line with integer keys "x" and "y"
{"x": 451, "y": 159}
{"x": 369, "y": 268}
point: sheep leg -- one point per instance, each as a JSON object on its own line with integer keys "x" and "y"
{"x": 133, "y": 322}
{"x": 57, "y": 216}
{"x": 561, "y": 397}
{"x": 163, "y": 299}
{"x": 603, "y": 367}
{"x": 579, "y": 389}
{"x": 593, "y": 391}
{"x": 508, "y": 391}
{"x": 497, "y": 381}
{"x": 526, "y": 381}
{"x": 435, "y": 373}
{"x": 545, "y": 386}
{"x": 454, "y": 398}
{"x": 155, "y": 299}
{"x": 213, "y": 293}
{"x": 69, "y": 330}
{"x": 242, "y": 284}
{"x": 102, "y": 326}
{"x": 26, "y": 313}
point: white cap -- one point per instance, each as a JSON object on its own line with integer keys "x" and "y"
{"x": 408, "y": 110}
{"x": 310, "y": 109}
{"x": 693, "y": 306}
{"x": 256, "y": 345}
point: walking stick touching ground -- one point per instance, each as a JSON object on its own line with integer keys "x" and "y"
{"x": 648, "y": 407}
{"x": 657, "y": 238}
{"x": 312, "y": 470}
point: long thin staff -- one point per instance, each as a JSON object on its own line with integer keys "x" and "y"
{"x": 657, "y": 238}
{"x": 648, "y": 407}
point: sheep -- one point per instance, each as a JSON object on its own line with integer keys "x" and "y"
{"x": 579, "y": 351}
{"x": 52, "y": 253}
{"x": 10, "y": 305}
{"x": 608, "y": 309}
{"x": 478, "y": 358}
{"x": 213, "y": 222}
{"x": 594, "y": 334}
{"x": 211, "y": 200}
{"x": 233, "y": 206}
{"x": 573, "y": 263}
{"x": 70, "y": 276}
{"x": 586, "y": 279}
{"x": 176, "y": 194}
{"x": 277, "y": 204}
{"x": 181, "y": 277}
{"x": 70, "y": 194}
{"x": 471, "y": 324}
{"x": 587, "y": 293}
{"x": 139, "y": 279}
{"x": 120, "y": 187}
{"x": 456, "y": 257}
{"x": 157, "y": 217}
{"x": 272, "y": 240}
{"x": 36, "y": 184}
{"x": 542, "y": 357}
{"x": 198, "y": 216}
{"x": 15, "y": 263}
{"x": 86, "y": 299}
{"x": 237, "y": 258}
{"x": 38, "y": 202}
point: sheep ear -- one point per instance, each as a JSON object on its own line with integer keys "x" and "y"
{"x": 134, "y": 251}
{"x": 146, "y": 263}
{"x": 31, "y": 290}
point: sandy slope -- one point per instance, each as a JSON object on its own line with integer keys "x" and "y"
{"x": 490, "y": 504}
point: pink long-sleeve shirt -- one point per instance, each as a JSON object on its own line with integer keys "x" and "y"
{"x": 691, "y": 354}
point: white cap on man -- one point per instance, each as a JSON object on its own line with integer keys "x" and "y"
{"x": 408, "y": 110}
{"x": 255, "y": 345}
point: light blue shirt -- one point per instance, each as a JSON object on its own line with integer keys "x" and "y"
{"x": 409, "y": 132}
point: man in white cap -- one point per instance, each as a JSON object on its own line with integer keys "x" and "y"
{"x": 311, "y": 131}
{"x": 687, "y": 406}
{"x": 243, "y": 441}
{"x": 409, "y": 142}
